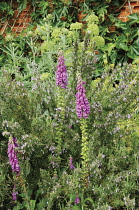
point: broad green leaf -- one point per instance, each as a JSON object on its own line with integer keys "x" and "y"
{"x": 122, "y": 25}
{"x": 88, "y": 199}
{"x": 133, "y": 34}
{"x": 18, "y": 207}
{"x": 133, "y": 52}
{"x": 108, "y": 47}
{"x": 113, "y": 56}
{"x": 122, "y": 38}
{"x": 76, "y": 208}
{"x": 32, "y": 204}
{"x": 134, "y": 18}
{"x": 136, "y": 42}
{"x": 122, "y": 46}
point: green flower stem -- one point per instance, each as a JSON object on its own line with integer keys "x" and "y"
{"x": 85, "y": 146}
{"x": 84, "y": 152}
{"x": 61, "y": 108}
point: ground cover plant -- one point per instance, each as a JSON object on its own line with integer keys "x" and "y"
{"x": 69, "y": 131}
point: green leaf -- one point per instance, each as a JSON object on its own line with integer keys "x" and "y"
{"x": 109, "y": 47}
{"x": 122, "y": 25}
{"x": 133, "y": 52}
{"x": 32, "y": 204}
{"x": 134, "y": 18}
{"x": 122, "y": 46}
{"x": 18, "y": 207}
{"x": 133, "y": 34}
{"x": 113, "y": 56}
{"x": 76, "y": 208}
{"x": 122, "y": 38}
{"x": 88, "y": 199}
{"x": 43, "y": 6}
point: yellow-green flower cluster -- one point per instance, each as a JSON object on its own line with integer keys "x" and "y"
{"x": 76, "y": 26}
{"x": 56, "y": 34}
{"x": 64, "y": 31}
{"x": 92, "y": 19}
{"x": 47, "y": 45}
{"x": 43, "y": 31}
{"x": 70, "y": 37}
{"x": 93, "y": 29}
{"x": 80, "y": 47}
{"x": 45, "y": 76}
{"x": 98, "y": 41}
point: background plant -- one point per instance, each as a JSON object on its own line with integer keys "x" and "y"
{"x": 29, "y": 112}
{"x": 122, "y": 44}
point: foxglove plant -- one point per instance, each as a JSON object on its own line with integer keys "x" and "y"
{"x": 82, "y": 111}
{"x": 61, "y": 73}
{"x": 71, "y": 164}
{"x": 14, "y": 193}
{"x": 82, "y": 104}
{"x": 77, "y": 200}
{"x": 13, "y": 160}
{"x": 61, "y": 82}
{"x": 12, "y": 154}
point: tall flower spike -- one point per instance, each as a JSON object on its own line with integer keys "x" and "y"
{"x": 61, "y": 73}
{"x": 14, "y": 193}
{"x": 12, "y": 154}
{"x": 70, "y": 163}
{"x": 77, "y": 200}
{"x": 82, "y": 104}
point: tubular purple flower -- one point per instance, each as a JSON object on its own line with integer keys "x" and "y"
{"x": 61, "y": 73}
{"x": 77, "y": 200}
{"x": 70, "y": 163}
{"x": 14, "y": 194}
{"x": 82, "y": 104}
{"x": 12, "y": 154}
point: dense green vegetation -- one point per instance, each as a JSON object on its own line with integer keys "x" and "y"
{"x": 52, "y": 155}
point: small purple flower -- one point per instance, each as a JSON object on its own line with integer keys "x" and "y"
{"x": 70, "y": 163}
{"x": 12, "y": 154}
{"x": 61, "y": 73}
{"x": 82, "y": 104}
{"x": 77, "y": 200}
{"x": 14, "y": 194}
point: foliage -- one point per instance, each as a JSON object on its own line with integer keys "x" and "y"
{"x": 48, "y": 39}
{"x": 43, "y": 119}
{"x": 63, "y": 12}
{"x": 122, "y": 45}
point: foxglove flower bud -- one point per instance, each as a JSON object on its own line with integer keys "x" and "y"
{"x": 14, "y": 194}
{"x": 12, "y": 154}
{"x": 61, "y": 73}
{"x": 82, "y": 104}
{"x": 70, "y": 163}
{"x": 77, "y": 200}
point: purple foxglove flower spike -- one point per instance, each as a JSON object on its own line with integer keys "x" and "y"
{"x": 12, "y": 155}
{"x": 61, "y": 73}
{"x": 82, "y": 104}
{"x": 14, "y": 194}
{"x": 70, "y": 163}
{"x": 77, "y": 200}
